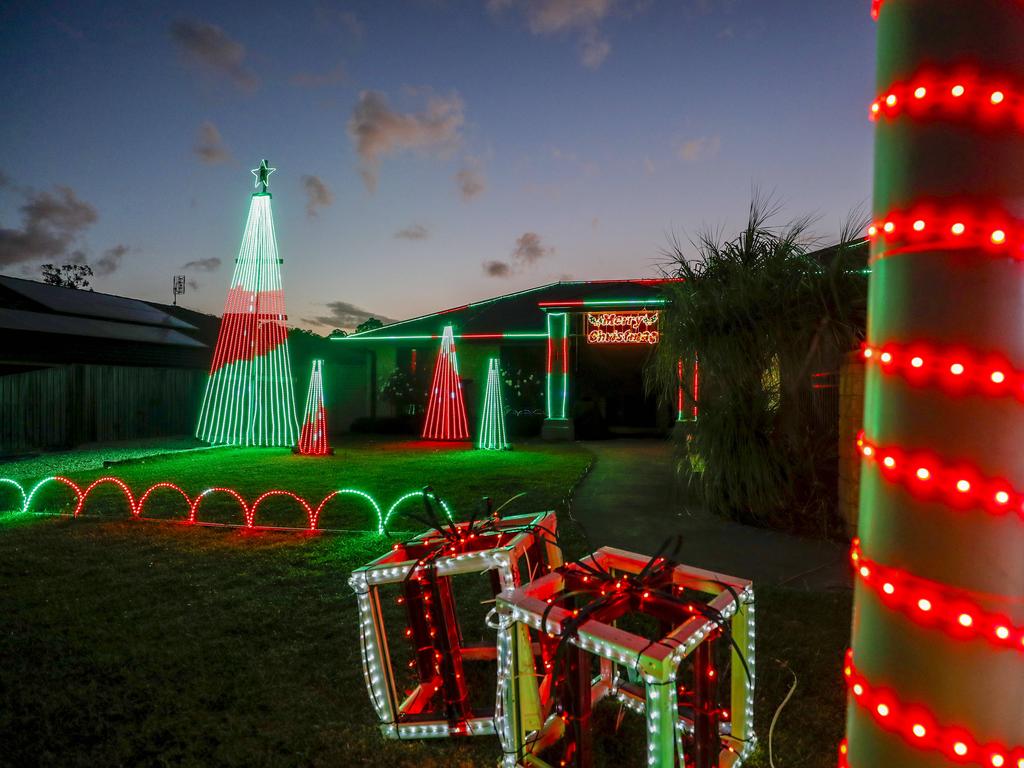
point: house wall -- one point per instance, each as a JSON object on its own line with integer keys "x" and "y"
{"x": 347, "y": 391}
{"x": 473, "y": 359}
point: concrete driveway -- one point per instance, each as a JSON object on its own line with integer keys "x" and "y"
{"x": 629, "y": 500}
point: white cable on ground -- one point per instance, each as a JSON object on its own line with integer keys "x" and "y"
{"x": 775, "y": 717}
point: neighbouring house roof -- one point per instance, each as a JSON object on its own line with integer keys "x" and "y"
{"x": 80, "y": 303}
{"x": 514, "y": 315}
{"x": 40, "y": 322}
{"x": 48, "y": 324}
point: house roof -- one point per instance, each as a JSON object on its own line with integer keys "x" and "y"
{"x": 517, "y": 315}
{"x": 520, "y": 315}
{"x": 80, "y": 303}
{"x": 50, "y": 324}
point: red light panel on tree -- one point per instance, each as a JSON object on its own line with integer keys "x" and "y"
{"x": 313, "y": 436}
{"x": 446, "y": 411}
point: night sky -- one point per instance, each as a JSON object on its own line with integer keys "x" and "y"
{"x": 429, "y": 153}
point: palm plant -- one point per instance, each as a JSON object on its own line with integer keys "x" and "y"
{"x": 761, "y": 316}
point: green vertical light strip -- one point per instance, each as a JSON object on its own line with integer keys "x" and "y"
{"x": 492, "y": 436}
{"x": 565, "y": 363}
{"x": 557, "y": 377}
{"x": 250, "y": 397}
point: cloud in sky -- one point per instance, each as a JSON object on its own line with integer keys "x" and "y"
{"x": 108, "y": 263}
{"x": 529, "y": 249}
{"x": 377, "y": 130}
{"x": 341, "y": 314}
{"x": 203, "y": 265}
{"x": 691, "y": 150}
{"x": 413, "y": 232}
{"x": 318, "y": 195}
{"x": 335, "y": 76}
{"x": 326, "y": 13}
{"x": 594, "y": 49}
{"x": 51, "y": 223}
{"x": 550, "y": 17}
{"x": 497, "y": 268}
{"x": 207, "y": 47}
{"x": 209, "y": 146}
{"x": 470, "y": 180}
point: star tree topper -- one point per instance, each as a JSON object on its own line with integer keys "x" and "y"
{"x": 262, "y": 175}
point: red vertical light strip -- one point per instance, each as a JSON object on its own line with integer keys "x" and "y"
{"x": 696, "y": 384}
{"x": 679, "y": 391}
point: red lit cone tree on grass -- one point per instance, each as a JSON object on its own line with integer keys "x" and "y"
{"x": 936, "y": 673}
{"x": 446, "y": 411}
{"x": 249, "y": 398}
{"x": 313, "y": 435}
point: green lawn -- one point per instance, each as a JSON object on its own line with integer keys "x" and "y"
{"x": 127, "y": 643}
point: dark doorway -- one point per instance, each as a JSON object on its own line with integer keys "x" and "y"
{"x": 609, "y": 391}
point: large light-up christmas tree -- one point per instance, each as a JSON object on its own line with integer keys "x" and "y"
{"x": 249, "y": 396}
{"x": 446, "y": 411}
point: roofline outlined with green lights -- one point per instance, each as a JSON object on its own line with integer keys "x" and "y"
{"x": 429, "y": 336}
{"x": 378, "y": 334}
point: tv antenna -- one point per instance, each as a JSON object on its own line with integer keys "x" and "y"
{"x": 178, "y": 287}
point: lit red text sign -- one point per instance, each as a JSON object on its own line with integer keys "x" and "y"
{"x": 622, "y": 328}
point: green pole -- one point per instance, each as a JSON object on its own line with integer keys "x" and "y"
{"x": 933, "y": 680}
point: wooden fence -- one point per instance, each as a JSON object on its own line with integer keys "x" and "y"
{"x": 65, "y": 406}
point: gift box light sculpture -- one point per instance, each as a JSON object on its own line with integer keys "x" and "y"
{"x": 441, "y": 701}
{"x": 572, "y": 614}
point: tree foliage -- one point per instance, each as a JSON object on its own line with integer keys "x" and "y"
{"x": 369, "y": 324}
{"x": 67, "y": 275}
{"x": 762, "y": 317}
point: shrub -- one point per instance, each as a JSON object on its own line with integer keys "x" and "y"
{"x": 762, "y": 316}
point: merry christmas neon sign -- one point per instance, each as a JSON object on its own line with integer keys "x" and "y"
{"x": 622, "y": 328}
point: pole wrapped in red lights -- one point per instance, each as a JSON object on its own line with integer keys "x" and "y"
{"x": 918, "y": 726}
{"x": 446, "y": 410}
{"x": 511, "y": 550}
{"x": 935, "y": 605}
{"x": 988, "y": 101}
{"x": 957, "y": 484}
{"x": 928, "y": 227}
{"x": 953, "y": 369}
{"x": 938, "y": 607}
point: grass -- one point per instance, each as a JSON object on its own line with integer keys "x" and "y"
{"x": 386, "y": 469}
{"x": 125, "y": 643}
